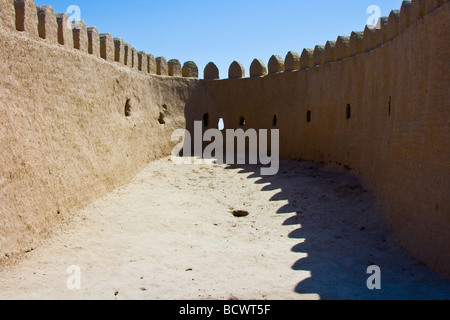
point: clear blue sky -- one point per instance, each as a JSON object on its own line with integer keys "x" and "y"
{"x": 224, "y": 30}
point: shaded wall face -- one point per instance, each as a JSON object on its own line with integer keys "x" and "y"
{"x": 72, "y": 128}
{"x": 382, "y": 113}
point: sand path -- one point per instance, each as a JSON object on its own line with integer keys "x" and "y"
{"x": 169, "y": 234}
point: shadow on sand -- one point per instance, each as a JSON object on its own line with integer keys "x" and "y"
{"x": 341, "y": 230}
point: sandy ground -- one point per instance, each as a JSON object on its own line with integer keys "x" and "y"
{"x": 169, "y": 234}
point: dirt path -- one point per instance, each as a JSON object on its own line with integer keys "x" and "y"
{"x": 311, "y": 233}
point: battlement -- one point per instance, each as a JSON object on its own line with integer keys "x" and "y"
{"x": 41, "y": 23}
{"x": 359, "y": 42}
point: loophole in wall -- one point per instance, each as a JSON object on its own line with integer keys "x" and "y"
{"x": 127, "y": 108}
{"x": 206, "y": 120}
{"x": 161, "y": 119}
{"x": 221, "y": 124}
{"x": 308, "y": 116}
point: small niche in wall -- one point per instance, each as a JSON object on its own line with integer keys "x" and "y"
{"x": 308, "y": 116}
{"x": 348, "y": 112}
{"x": 274, "y": 121}
{"x": 221, "y": 124}
{"x": 390, "y": 106}
{"x": 161, "y": 118}
{"x": 242, "y": 122}
{"x": 127, "y": 108}
{"x": 205, "y": 120}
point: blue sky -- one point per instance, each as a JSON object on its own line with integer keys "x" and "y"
{"x": 224, "y": 30}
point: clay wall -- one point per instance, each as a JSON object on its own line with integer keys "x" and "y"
{"x": 80, "y": 115}
{"x": 75, "y": 123}
{"x": 376, "y": 103}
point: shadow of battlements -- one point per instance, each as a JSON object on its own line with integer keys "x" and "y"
{"x": 341, "y": 231}
{"x": 340, "y": 227}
